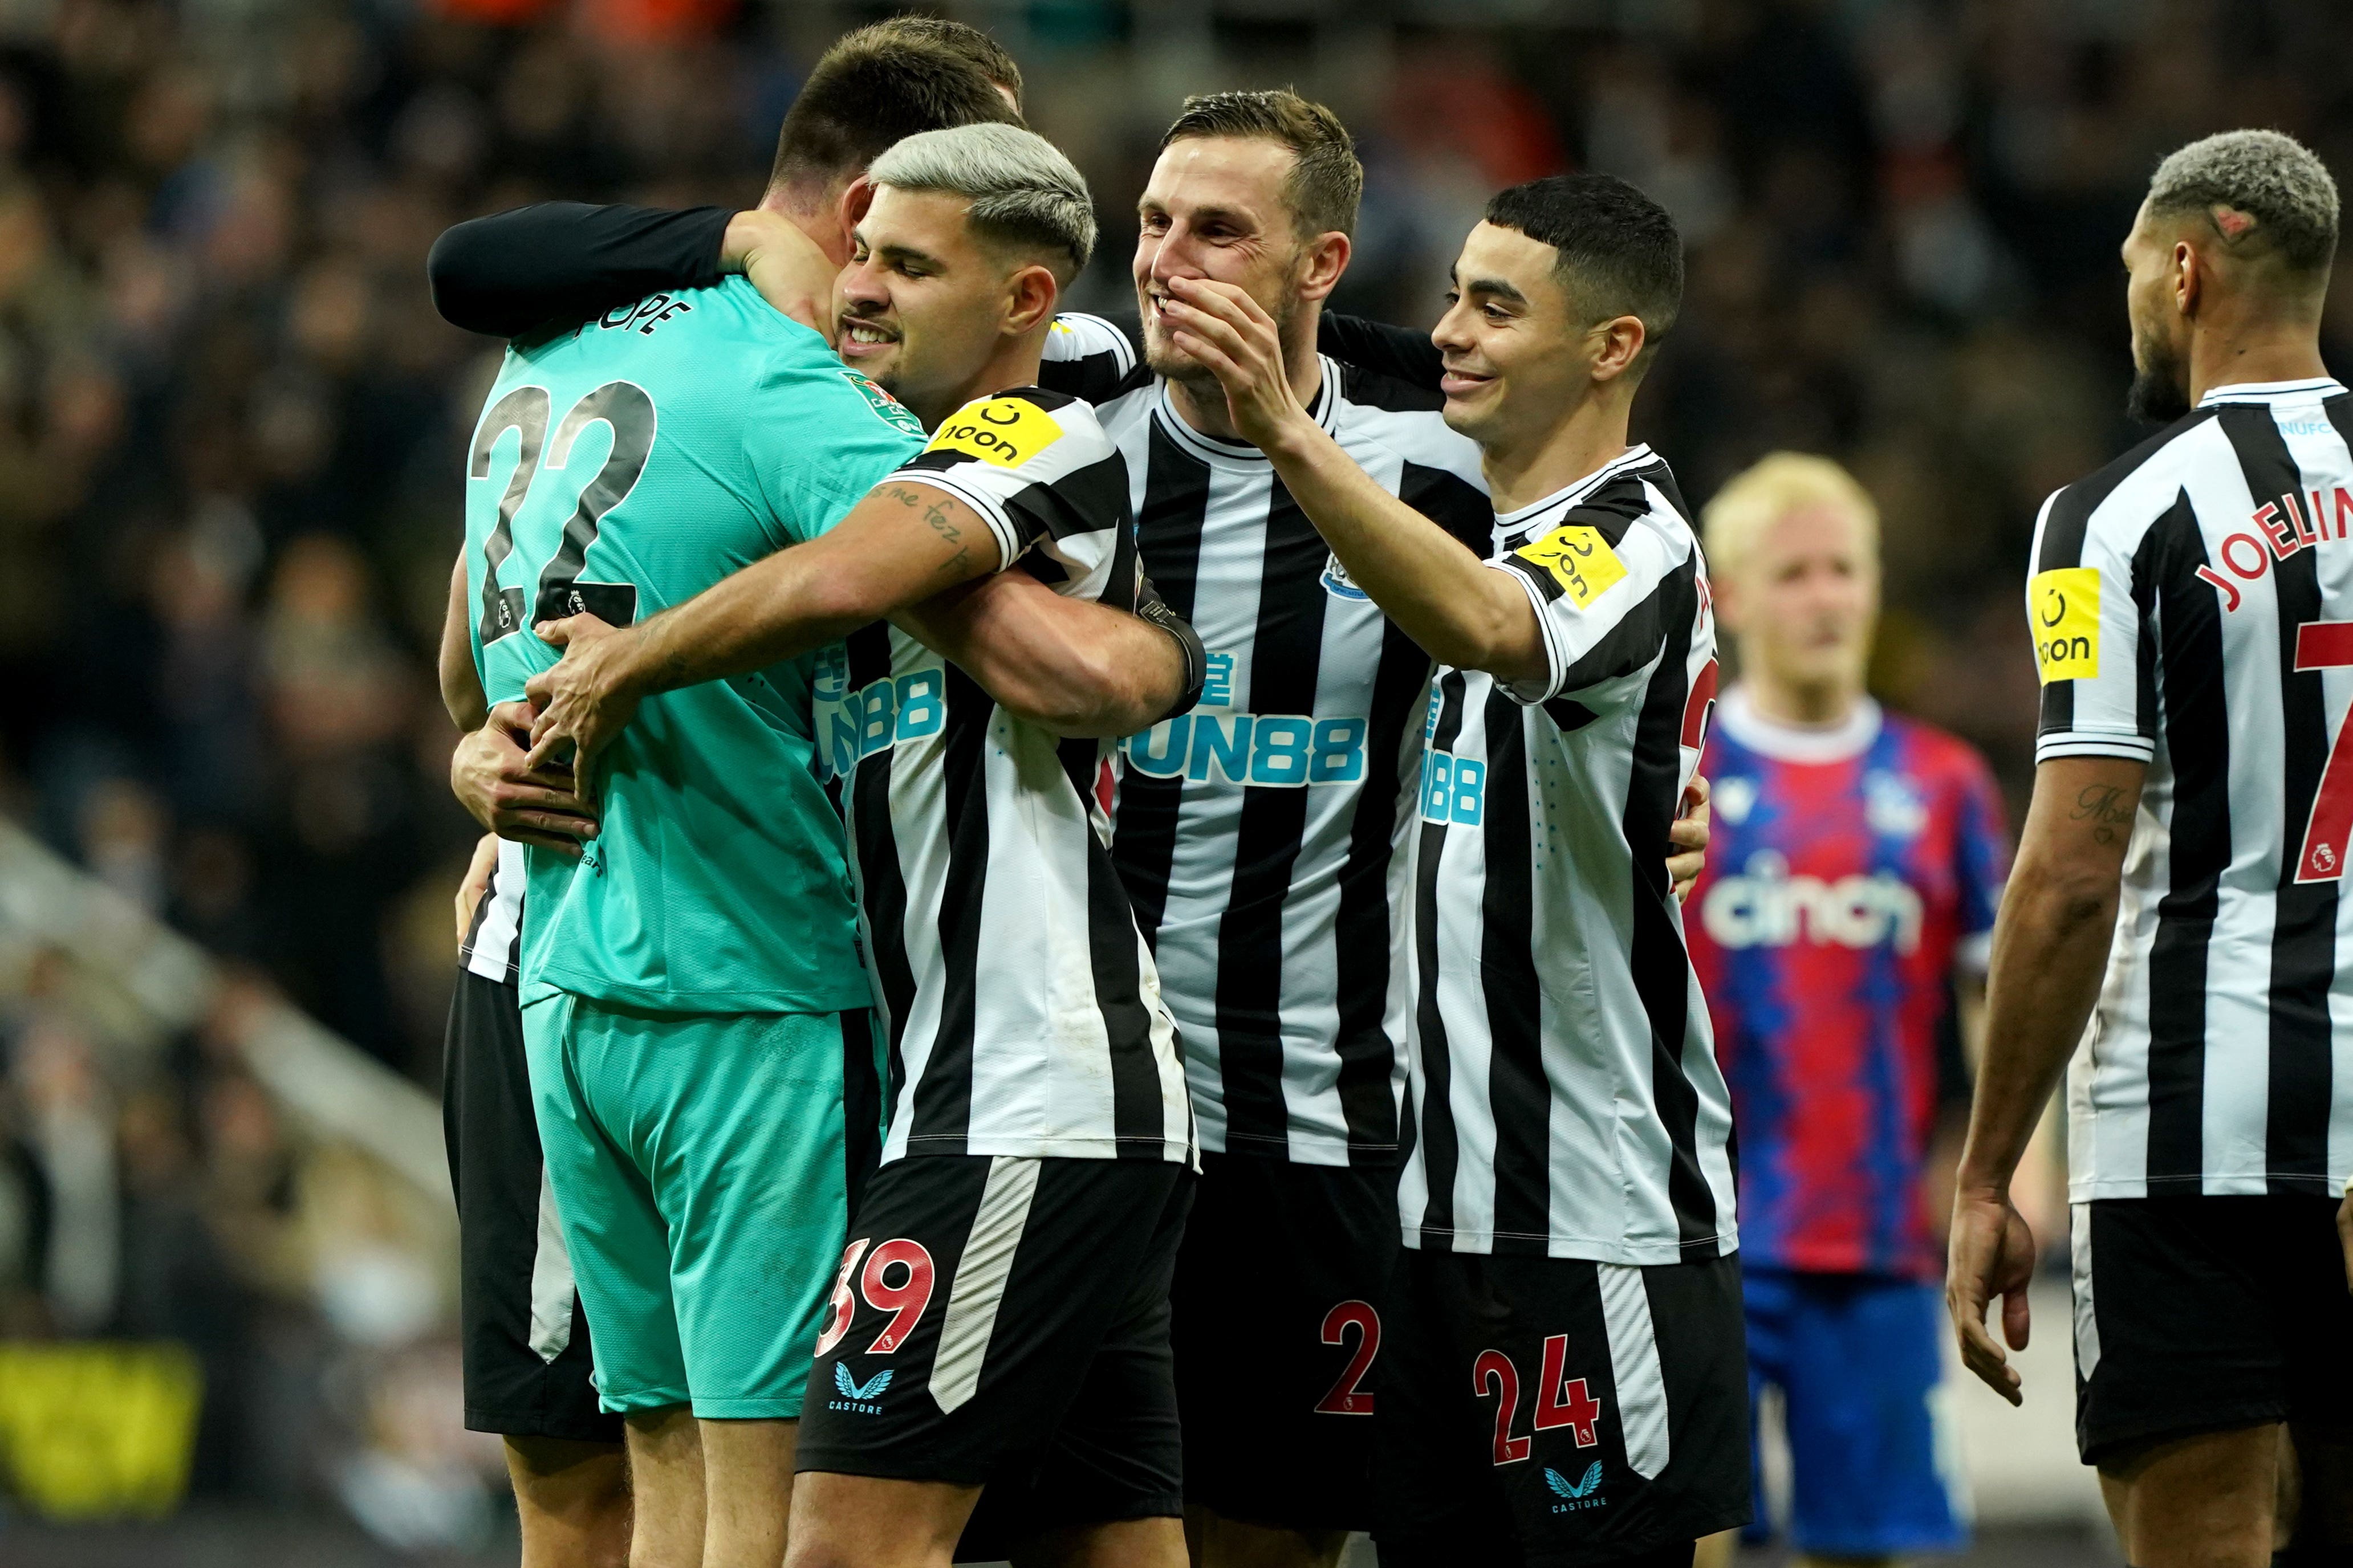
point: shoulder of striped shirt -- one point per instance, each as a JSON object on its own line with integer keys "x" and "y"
{"x": 1077, "y": 335}
{"x": 2098, "y": 493}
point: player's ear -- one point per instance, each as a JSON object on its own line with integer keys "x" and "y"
{"x": 1324, "y": 259}
{"x": 2189, "y": 276}
{"x": 1617, "y": 343}
{"x": 856, "y": 197}
{"x": 1030, "y": 296}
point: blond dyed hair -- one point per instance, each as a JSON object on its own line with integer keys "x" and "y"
{"x": 1768, "y": 491}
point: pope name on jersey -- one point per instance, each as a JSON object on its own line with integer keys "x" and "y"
{"x": 1567, "y": 1098}
{"x": 1024, "y": 1012}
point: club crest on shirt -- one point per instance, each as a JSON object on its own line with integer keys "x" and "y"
{"x": 1338, "y": 583}
{"x": 1734, "y": 798}
{"x": 1891, "y": 806}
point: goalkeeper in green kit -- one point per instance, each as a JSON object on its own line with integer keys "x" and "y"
{"x": 695, "y": 1008}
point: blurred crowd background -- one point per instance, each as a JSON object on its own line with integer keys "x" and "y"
{"x": 231, "y": 431}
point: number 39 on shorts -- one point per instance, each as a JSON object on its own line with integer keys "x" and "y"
{"x": 897, "y": 1279}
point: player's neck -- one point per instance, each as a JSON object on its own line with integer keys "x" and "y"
{"x": 1014, "y": 363}
{"x": 816, "y": 212}
{"x": 1202, "y": 403}
{"x": 2254, "y": 355}
{"x": 1811, "y": 705}
{"x": 1522, "y": 471}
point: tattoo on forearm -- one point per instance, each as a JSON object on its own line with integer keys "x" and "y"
{"x": 2105, "y": 807}
{"x": 941, "y": 521}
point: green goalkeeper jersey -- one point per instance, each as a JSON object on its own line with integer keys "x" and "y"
{"x": 620, "y": 468}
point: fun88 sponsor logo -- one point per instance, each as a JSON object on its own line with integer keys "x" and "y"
{"x": 878, "y": 714}
{"x": 1454, "y": 789}
{"x": 1284, "y": 751}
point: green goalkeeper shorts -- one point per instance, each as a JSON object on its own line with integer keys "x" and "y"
{"x": 703, "y": 1165}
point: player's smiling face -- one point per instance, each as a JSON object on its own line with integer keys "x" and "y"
{"x": 1213, "y": 209}
{"x": 920, "y": 305}
{"x": 1518, "y": 354}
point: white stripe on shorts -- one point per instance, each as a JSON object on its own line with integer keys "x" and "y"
{"x": 980, "y": 1278}
{"x": 2087, "y": 1324}
{"x": 1634, "y": 1363}
{"x": 551, "y": 1280}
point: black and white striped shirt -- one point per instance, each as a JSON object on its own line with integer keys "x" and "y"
{"x": 2192, "y": 607}
{"x": 1024, "y": 1012}
{"x": 1257, "y": 834}
{"x": 1565, "y": 1092}
{"x": 493, "y": 944}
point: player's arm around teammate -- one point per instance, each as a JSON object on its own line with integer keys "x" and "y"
{"x": 1438, "y": 593}
{"x": 935, "y": 316}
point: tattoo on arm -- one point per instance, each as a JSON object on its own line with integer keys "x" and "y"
{"x": 941, "y": 521}
{"x": 2103, "y": 806}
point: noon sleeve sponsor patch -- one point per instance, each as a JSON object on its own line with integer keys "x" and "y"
{"x": 1004, "y": 431}
{"x": 1579, "y": 559}
{"x": 2065, "y": 605}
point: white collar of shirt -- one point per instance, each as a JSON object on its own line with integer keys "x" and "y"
{"x": 1325, "y": 410}
{"x": 2265, "y": 390}
{"x": 1787, "y": 742}
{"x": 1510, "y": 522}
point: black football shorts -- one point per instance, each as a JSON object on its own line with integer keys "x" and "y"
{"x": 2201, "y": 1314}
{"x": 1279, "y": 1341}
{"x": 1003, "y": 1322}
{"x": 1554, "y": 1413}
{"x": 525, "y": 1340}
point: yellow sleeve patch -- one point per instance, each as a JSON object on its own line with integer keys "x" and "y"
{"x": 2065, "y": 605}
{"x": 1579, "y": 560}
{"x": 1006, "y": 431}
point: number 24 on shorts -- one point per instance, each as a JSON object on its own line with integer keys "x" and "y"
{"x": 904, "y": 1300}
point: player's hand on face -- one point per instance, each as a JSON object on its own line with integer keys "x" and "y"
{"x": 1992, "y": 1255}
{"x": 582, "y": 701}
{"x": 785, "y": 265}
{"x": 1687, "y": 836}
{"x": 1227, "y": 331}
{"x": 476, "y": 882}
{"x": 490, "y": 774}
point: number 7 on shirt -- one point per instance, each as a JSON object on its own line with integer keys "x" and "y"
{"x": 2328, "y": 645}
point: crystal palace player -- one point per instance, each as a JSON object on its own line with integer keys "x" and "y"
{"x": 2179, "y": 885}
{"x": 1859, "y": 858}
{"x": 1566, "y": 1381}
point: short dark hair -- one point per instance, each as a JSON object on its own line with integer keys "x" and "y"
{"x": 965, "y": 40}
{"x": 2271, "y": 179}
{"x": 1326, "y": 181}
{"x": 876, "y": 86}
{"x": 1618, "y": 249}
